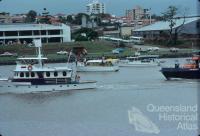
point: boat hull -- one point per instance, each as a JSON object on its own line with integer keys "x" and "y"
{"x": 9, "y": 87}
{"x": 181, "y": 73}
{"x": 139, "y": 64}
{"x": 97, "y": 69}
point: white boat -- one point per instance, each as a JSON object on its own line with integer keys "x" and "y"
{"x": 31, "y": 75}
{"x": 140, "y": 61}
{"x": 97, "y": 66}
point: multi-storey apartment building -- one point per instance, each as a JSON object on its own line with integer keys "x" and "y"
{"x": 95, "y": 7}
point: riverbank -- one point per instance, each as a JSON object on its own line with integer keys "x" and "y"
{"x": 95, "y": 50}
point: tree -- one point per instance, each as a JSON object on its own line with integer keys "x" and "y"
{"x": 31, "y": 16}
{"x": 78, "y": 18}
{"x": 69, "y": 19}
{"x": 100, "y": 17}
{"x": 169, "y": 16}
{"x": 45, "y": 15}
{"x": 85, "y": 34}
{"x": 179, "y": 28}
{"x": 62, "y": 19}
{"x": 157, "y": 17}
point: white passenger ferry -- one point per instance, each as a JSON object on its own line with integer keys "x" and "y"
{"x": 31, "y": 75}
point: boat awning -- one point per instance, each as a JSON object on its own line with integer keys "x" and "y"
{"x": 32, "y": 58}
{"x": 94, "y": 61}
{"x": 196, "y": 58}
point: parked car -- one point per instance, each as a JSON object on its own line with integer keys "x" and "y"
{"x": 117, "y": 50}
{"x": 153, "y": 49}
{"x": 8, "y": 54}
{"x": 62, "y": 52}
{"x": 174, "y": 49}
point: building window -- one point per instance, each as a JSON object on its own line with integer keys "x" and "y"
{"x": 21, "y": 74}
{"x": 54, "y": 32}
{"x": 48, "y": 74}
{"x": 64, "y": 73}
{"x": 25, "y": 33}
{"x": 55, "y": 74}
{"x": 43, "y": 32}
{"x": 36, "y": 32}
{"x": 11, "y": 33}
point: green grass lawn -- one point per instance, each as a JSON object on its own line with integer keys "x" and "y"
{"x": 95, "y": 49}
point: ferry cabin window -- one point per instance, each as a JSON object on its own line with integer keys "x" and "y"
{"x": 64, "y": 73}
{"x": 16, "y": 74}
{"x": 21, "y": 74}
{"x": 55, "y": 74}
{"x": 27, "y": 74}
{"x": 32, "y": 74}
{"x": 48, "y": 74}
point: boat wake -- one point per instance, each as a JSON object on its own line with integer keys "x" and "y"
{"x": 117, "y": 86}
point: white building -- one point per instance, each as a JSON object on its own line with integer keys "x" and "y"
{"x": 25, "y": 33}
{"x": 95, "y": 7}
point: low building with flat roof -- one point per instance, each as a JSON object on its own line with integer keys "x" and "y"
{"x": 25, "y": 33}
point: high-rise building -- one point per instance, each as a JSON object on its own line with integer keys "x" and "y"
{"x": 137, "y": 13}
{"x": 95, "y": 7}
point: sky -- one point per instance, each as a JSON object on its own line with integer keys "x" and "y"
{"x": 115, "y": 7}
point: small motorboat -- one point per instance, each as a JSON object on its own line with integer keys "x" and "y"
{"x": 100, "y": 65}
{"x": 140, "y": 61}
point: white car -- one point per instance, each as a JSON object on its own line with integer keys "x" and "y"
{"x": 62, "y": 52}
{"x": 154, "y": 49}
{"x": 115, "y": 51}
{"x": 8, "y": 54}
{"x": 174, "y": 49}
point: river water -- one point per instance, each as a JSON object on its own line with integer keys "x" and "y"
{"x": 143, "y": 92}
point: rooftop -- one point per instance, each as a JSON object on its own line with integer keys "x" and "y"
{"x": 162, "y": 25}
{"x": 21, "y": 26}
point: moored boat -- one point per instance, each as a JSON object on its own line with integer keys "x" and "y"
{"x": 190, "y": 70}
{"x": 32, "y": 75}
{"x": 100, "y": 65}
{"x": 140, "y": 61}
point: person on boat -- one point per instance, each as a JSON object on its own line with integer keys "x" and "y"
{"x": 84, "y": 61}
{"x": 77, "y": 78}
{"x": 177, "y": 64}
{"x": 103, "y": 59}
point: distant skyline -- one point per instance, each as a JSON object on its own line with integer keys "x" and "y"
{"x": 116, "y": 7}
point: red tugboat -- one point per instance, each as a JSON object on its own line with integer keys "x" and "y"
{"x": 190, "y": 70}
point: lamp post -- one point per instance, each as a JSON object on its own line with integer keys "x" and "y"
{"x": 148, "y": 12}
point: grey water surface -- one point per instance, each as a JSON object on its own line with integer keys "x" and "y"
{"x": 102, "y": 111}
